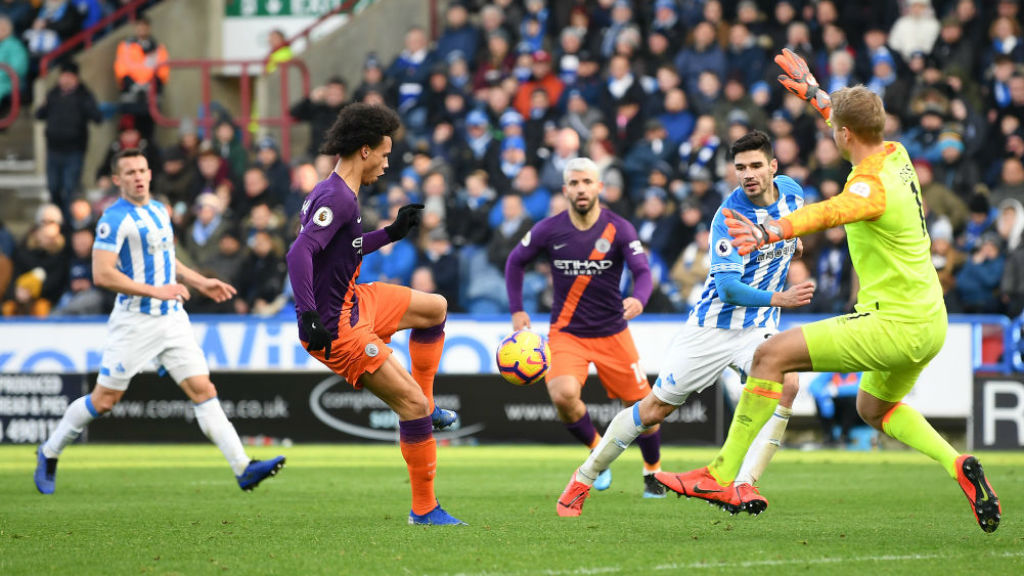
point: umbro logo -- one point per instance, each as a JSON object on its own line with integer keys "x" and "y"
{"x": 558, "y": 246}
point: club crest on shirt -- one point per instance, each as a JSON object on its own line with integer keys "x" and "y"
{"x": 323, "y": 216}
{"x": 723, "y": 247}
{"x": 371, "y": 350}
{"x": 602, "y": 245}
{"x": 103, "y": 230}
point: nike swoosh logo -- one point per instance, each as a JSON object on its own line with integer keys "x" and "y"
{"x": 358, "y": 220}
{"x": 558, "y": 246}
{"x": 699, "y": 490}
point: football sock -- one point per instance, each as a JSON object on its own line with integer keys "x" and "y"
{"x": 624, "y": 428}
{"x": 764, "y": 447}
{"x": 75, "y": 419}
{"x": 584, "y": 431}
{"x": 216, "y": 426}
{"x": 650, "y": 448}
{"x": 420, "y": 452}
{"x": 909, "y": 426}
{"x": 757, "y": 402}
{"x": 425, "y": 347}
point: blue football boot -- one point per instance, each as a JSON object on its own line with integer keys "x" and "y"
{"x": 604, "y": 480}
{"x": 436, "y": 517}
{"x": 259, "y": 470}
{"x": 46, "y": 472}
{"x": 442, "y": 418}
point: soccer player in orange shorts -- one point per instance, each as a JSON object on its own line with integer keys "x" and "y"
{"x": 587, "y": 247}
{"x": 345, "y": 325}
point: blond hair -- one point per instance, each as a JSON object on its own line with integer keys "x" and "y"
{"x": 860, "y": 111}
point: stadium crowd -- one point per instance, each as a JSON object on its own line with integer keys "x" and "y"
{"x": 654, "y": 92}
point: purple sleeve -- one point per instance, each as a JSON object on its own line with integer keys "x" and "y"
{"x": 373, "y": 241}
{"x": 523, "y": 253}
{"x": 638, "y": 264}
{"x": 300, "y": 271}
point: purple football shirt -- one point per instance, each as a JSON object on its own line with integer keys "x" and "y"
{"x": 324, "y": 261}
{"x": 586, "y": 267}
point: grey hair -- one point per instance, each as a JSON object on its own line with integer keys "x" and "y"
{"x": 580, "y": 164}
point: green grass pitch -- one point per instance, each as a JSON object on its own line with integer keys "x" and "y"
{"x": 342, "y": 509}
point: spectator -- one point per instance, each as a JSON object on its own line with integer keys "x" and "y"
{"x": 227, "y": 140}
{"x": 1011, "y": 182}
{"x": 702, "y": 152}
{"x": 261, "y": 278}
{"x": 541, "y": 78}
{"x": 916, "y": 30}
{"x": 496, "y": 63}
{"x": 468, "y": 223}
{"x": 373, "y": 80}
{"x": 202, "y": 237}
{"x": 40, "y": 266}
{"x": 677, "y": 118}
{"x": 226, "y": 260}
{"x": 514, "y": 225}
{"x": 409, "y": 72}
{"x": 579, "y": 115}
{"x": 137, "y": 66}
{"x": 20, "y": 13}
{"x": 745, "y": 60}
{"x": 440, "y": 258}
{"x": 567, "y": 147}
{"x": 280, "y": 50}
{"x": 82, "y": 297}
{"x": 939, "y": 199}
{"x": 459, "y": 34}
{"x": 176, "y": 178}
{"x": 12, "y": 53}
{"x": 536, "y": 199}
{"x": 319, "y": 110}
{"x": 304, "y": 179}
{"x": 255, "y": 190}
{"x": 513, "y": 161}
{"x": 55, "y": 22}
{"x": 1011, "y": 228}
{"x": 704, "y": 54}
{"x": 952, "y": 51}
{"x": 483, "y": 152}
{"x": 978, "y": 280}
{"x": 922, "y": 141}
{"x": 6, "y": 257}
{"x": 213, "y": 176}
{"x": 735, "y": 100}
{"x": 945, "y": 257}
{"x": 884, "y": 81}
{"x": 128, "y": 136}
{"x": 68, "y": 109}
{"x": 691, "y": 267}
{"x": 955, "y": 171}
{"x": 268, "y": 157}
{"x": 644, "y": 155}
{"x": 1005, "y": 36}
{"x": 834, "y": 279}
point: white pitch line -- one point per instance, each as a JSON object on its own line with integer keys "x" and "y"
{"x": 728, "y": 565}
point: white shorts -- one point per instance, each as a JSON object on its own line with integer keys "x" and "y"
{"x": 134, "y": 340}
{"x": 697, "y": 356}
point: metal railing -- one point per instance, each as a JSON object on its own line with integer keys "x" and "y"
{"x": 12, "y": 115}
{"x": 284, "y": 121}
{"x": 305, "y": 33}
{"x": 85, "y": 37}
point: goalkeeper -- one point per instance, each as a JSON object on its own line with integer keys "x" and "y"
{"x": 900, "y": 320}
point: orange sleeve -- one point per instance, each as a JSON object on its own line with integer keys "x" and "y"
{"x": 120, "y": 62}
{"x": 162, "y": 72}
{"x": 863, "y": 198}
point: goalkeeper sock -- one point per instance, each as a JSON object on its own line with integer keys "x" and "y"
{"x": 624, "y": 428}
{"x": 416, "y": 438}
{"x": 75, "y": 419}
{"x": 584, "y": 431}
{"x": 764, "y": 447}
{"x": 757, "y": 402}
{"x": 216, "y": 426}
{"x": 650, "y": 447}
{"x": 425, "y": 347}
{"x": 909, "y": 426}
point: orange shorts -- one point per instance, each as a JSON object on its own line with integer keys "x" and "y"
{"x": 616, "y": 358}
{"x": 362, "y": 348}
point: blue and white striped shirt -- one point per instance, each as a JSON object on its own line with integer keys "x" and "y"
{"x": 763, "y": 269}
{"x": 143, "y": 239}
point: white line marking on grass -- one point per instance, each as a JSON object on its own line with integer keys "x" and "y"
{"x": 729, "y": 565}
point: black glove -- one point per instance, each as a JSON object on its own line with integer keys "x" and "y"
{"x": 408, "y": 216}
{"x": 319, "y": 337}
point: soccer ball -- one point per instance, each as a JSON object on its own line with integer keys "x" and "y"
{"x": 523, "y": 357}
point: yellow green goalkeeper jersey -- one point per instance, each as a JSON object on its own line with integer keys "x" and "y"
{"x": 892, "y": 253}
{"x": 889, "y": 244}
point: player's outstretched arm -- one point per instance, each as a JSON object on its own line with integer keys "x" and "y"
{"x": 212, "y": 288}
{"x": 106, "y": 275}
{"x": 799, "y": 80}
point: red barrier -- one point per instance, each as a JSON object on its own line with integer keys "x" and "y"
{"x": 12, "y": 115}
{"x": 85, "y": 37}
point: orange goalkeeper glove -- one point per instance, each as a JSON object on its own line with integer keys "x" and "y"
{"x": 748, "y": 236}
{"x": 799, "y": 80}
